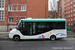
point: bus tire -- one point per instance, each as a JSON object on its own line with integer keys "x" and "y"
{"x": 16, "y": 38}
{"x": 53, "y": 37}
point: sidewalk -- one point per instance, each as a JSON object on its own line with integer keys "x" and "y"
{"x": 70, "y": 33}
{"x": 5, "y": 35}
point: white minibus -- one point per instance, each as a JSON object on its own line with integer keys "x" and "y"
{"x": 39, "y": 29}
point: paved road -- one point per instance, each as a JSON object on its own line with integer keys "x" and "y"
{"x": 64, "y": 44}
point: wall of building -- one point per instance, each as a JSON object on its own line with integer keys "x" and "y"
{"x": 11, "y": 27}
{"x": 67, "y": 9}
{"x": 34, "y": 9}
{"x": 37, "y": 9}
{"x": 3, "y": 28}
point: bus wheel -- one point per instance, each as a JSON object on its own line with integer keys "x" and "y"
{"x": 52, "y": 38}
{"x": 16, "y": 38}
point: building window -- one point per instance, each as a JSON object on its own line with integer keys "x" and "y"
{"x": 74, "y": 18}
{"x": 23, "y": 7}
{"x": 71, "y": 15}
{"x": 1, "y": 3}
{"x": 71, "y": 2}
{"x": 74, "y": 14}
{"x": 71, "y": 23}
{"x": 1, "y": 14}
{"x": 10, "y": 20}
{"x": 71, "y": 11}
{"x": 71, "y": 19}
{"x": 11, "y": 8}
{"x": 74, "y": 5}
{"x": 17, "y": 19}
{"x": 71, "y": 6}
{"x": 22, "y": 17}
{"x": 17, "y": 8}
{"x": 74, "y": 9}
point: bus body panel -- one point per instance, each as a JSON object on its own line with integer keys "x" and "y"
{"x": 57, "y": 33}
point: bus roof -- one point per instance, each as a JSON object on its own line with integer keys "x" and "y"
{"x": 41, "y": 20}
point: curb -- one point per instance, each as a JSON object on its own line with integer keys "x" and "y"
{"x": 71, "y": 35}
{"x": 5, "y": 39}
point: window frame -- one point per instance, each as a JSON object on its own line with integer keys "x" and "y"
{"x": 10, "y": 20}
{"x": 23, "y": 7}
{"x": 40, "y": 30}
{"x": 11, "y": 8}
{"x": 2, "y": 15}
{"x": 16, "y": 7}
{"x": 2, "y": 11}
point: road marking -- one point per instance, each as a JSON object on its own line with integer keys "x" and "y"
{"x": 13, "y": 41}
{"x": 69, "y": 39}
{"x": 73, "y": 38}
{"x": 65, "y": 38}
{"x": 47, "y": 41}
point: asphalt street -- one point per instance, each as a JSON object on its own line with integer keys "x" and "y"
{"x": 43, "y": 44}
{"x": 60, "y": 44}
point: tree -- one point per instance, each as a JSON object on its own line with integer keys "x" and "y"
{"x": 54, "y": 8}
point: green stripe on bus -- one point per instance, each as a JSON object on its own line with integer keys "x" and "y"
{"x": 41, "y": 20}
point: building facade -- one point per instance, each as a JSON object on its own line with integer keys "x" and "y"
{"x": 66, "y": 9}
{"x": 11, "y": 11}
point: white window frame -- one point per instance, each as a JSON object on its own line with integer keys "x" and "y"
{"x": 23, "y": 17}
{"x": 11, "y": 20}
{"x": 23, "y": 7}
{"x": 71, "y": 6}
{"x": 74, "y": 14}
{"x": 74, "y": 0}
{"x": 11, "y": 8}
{"x": 74, "y": 9}
{"x": 71, "y": 2}
{"x": 16, "y": 19}
{"x": 71, "y": 19}
{"x": 2, "y": 3}
{"x": 74, "y": 18}
{"x": 71, "y": 15}
{"x": 17, "y": 8}
{"x": 71, "y": 23}
{"x": 74, "y": 5}
{"x": 71, "y": 11}
{"x": 2, "y": 13}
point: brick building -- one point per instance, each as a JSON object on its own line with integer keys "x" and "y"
{"x": 66, "y": 9}
{"x": 11, "y": 11}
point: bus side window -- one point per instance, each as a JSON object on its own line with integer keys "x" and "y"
{"x": 20, "y": 26}
{"x": 41, "y": 27}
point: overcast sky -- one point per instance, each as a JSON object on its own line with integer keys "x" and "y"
{"x": 49, "y": 4}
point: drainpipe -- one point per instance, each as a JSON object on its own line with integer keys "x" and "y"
{"x": 7, "y": 17}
